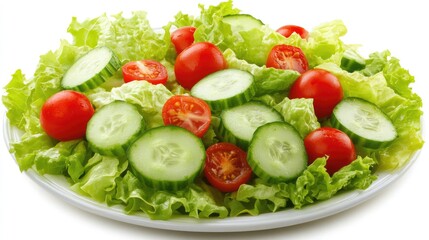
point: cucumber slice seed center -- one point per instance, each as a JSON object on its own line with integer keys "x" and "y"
{"x": 279, "y": 150}
{"x": 167, "y": 155}
{"x": 254, "y": 118}
{"x": 366, "y": 119}
{"x": 113, "y": 125}
{"x": 222, "y": 86}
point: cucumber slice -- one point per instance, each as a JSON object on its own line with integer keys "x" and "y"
{"x": 242, "y": 22}
{"x": 167, "y": 157}
{"x": 277, "y": 152}
{"x": 225, "y": 89}
{"x": 364, "y": 123}
{"x": 91, "y": 70}
{"x": 352, "y": 61}
{"x": 239, "y": 123}
{"x": 113, "y": 128}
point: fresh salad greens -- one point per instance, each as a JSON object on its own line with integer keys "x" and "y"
{"x": 108, "y": 179}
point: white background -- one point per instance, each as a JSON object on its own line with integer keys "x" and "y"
{"x": 31, "y": 28}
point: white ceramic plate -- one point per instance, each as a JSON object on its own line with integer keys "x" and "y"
{"x": 59, "y": 187}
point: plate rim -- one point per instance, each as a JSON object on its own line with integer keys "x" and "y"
{"x": 338, "y": 203}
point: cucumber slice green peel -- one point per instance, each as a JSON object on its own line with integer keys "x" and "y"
{"x": 91, "y": 70}
{"x": 239, "y": 123}
{"x": 167, "y": 157}
{"x": 114, "y": 127}
{"x": 364, "y": 123}
{"x": 225, "y": 89}
{"x": 277, "y": 153}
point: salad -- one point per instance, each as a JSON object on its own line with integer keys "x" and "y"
{"x": 216, "y": 115}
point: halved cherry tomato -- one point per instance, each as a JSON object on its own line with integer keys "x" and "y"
{"x": 322, "y": 86}
{"x": 64, "y": 115}
{"x": 187, "y": 112}
{"x": 182, "y": 38}
{"x": 148, "y": 70}
{"x": 287, "y": 30}
{"x": 287, "y": 57}
{"x": 196, "y": 62}
{"x": 226, "y": 167}
{"x": 331, "y": 142}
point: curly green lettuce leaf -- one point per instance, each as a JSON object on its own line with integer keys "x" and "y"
{"x": 130, "y": 38}
{"x": 404, "y": 110}
{"x": 150, "y": 98}
{"x": 397, "y": 77}
{"x": 315, "y": 184}
{"x": 184, "y": 20}
{"x": 299, "y": 113}
{"x": 267, "y": 80}
{"x": 26, "y": 150}
{"x": 212, "y": 28}
{"x": 375, "y": 63}
{"x": 75, "y": 163}
{"x": 325, "y": 44}
{"x": 99, "y": 179}
{"x": 194, "y": 201}
{"x": 67, "y": 158}
{"x": 18, "y": 91}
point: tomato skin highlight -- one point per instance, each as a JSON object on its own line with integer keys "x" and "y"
{"x": 196, "y": 62}
{"x": 287, "y": 57}
{"x": 226, "y": 167}
{"x": 287, "y": 30}
{"x": 187, "y": 112}
{"x": 64, "y": 115}
{"x": 148, "y": 70}
{"x": 331, "y": 142}
{"x": 182, "y": 38}
{"x": 322, "y": 86}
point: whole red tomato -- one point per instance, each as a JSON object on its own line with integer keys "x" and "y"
{"x": 196, "y": 62}
{"x": 182, "y": 38}
{"x": 331, "y": 142}
{"x": 320, "y": 85}
{"x": 64, "y": 115}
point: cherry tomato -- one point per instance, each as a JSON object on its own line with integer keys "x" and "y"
{"x": 182, "y": 38}
{"x": 188, "y": 112}
{"x": 322, "y": 86}
{"x": 331, "y": 142}
{"x": 148, "y": 70}
{"x": 287, "y": 30}
{"x": 64, "y": 115}
{"x": 196, "y": 62}
{"x": 287, "y": 57}
{"x": 226, "y": 167}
